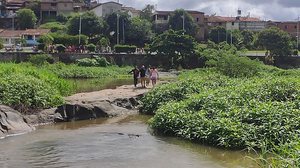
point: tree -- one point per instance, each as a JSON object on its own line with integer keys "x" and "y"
{"x": 1, "y": 44}
{"x": 147, "y": 12}
{"x": 27, "y": 18}
{"x": 248, "y": 38}
{"x": 35, "y": 6}
{"x": 54, "y": 26}
{"x": 217, "y": 34}
{"x": 112, "y": 29}
{"x": 276, "y": 41}
{"x": 180, "y": 20}
{"x": 237, "y": 39}
{"x": 139, "y": 32}
{"x": 175, "y": 46}
{"x": 91, "y": 25}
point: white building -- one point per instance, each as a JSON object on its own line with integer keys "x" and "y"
{"x": 107, "y": 8}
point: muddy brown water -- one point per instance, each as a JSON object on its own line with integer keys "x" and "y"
{"x": 123, "y": 142}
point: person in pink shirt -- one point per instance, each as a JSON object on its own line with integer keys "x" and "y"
{"x": 153, "y": 75}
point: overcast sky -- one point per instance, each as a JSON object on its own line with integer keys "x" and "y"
{"x": 279, "y": 10}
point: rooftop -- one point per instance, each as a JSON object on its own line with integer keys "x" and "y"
{"x": 19, "y": 33}
{"x": 212, "y": 19}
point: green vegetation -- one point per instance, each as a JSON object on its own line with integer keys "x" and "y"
{"x": 54, "y": 26}
{"x": 125, "y": 48}
{"x": 174, "y": 46}
{"x": 276, "y": 41}
{"x": 38, "y": 84}
{"x": 74, "y": 71}
{"x": 27, "y": 18}
{"x": 93, "y": 62}
{"x": 235, "y": 104}
{"x": 25, "y": 87}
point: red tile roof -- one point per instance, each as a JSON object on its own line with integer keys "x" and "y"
{"x": 19, "y": 33}
{"x": 35, "y": 31}
{"x": 212, "y": 19}
{"x": 11, "y": 33}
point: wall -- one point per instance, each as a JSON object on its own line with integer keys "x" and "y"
{"x": 137, "y": 59}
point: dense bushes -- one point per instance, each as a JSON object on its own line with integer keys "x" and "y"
{"x": 26, "y": 87}
{"x": 68, "y": 39}
{"x": 91, "y": 47}
{"x": 41, "y": 59}
{"x": 93, "y": 62}
{"x": 74, "y": 71}
{"x": 260, "y": 112}
{"x": 125, "y": 48}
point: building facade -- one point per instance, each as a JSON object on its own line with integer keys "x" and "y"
{"x": 105, "y": 9}
{"x": 161, "y": 20}
{"x": 292, "y": 28}
{"x": 12, "y": 37}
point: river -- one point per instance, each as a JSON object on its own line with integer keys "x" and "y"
{"x": 111, "y": 143}
{"x": 122, "y": 142}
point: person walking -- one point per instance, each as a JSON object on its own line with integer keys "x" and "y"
{"x": 154, "y": 76}
{"x": 135, "y": 71}
{"x": 143, "y": 76}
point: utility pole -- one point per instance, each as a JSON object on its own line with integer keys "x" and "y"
{"x": 123, "y": 31}
{"x": 118, "y": 33}
{"x": 298, "y": 33}
{"x": 231, "y": 37}
{"x": 79, "y": 31}
{"x": 183, "y": 28}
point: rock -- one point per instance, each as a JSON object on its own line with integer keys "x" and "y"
{"x": 98, "y": 109}
{"x": 11, "y": 122}
{"x": 47, "y": 116}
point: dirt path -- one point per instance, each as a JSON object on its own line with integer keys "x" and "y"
{"x": 125, "y": 91}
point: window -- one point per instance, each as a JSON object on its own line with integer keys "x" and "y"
{"x": 232, "y": 23}
{"x": 197, "y": 19}
{"x": 65, "y": 5}
{"x": 53, "y": 4}
{"x": 286, "y": 27}
{"x": 295, "y": 27}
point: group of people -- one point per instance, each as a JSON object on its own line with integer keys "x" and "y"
{"x": 145, "y": 75}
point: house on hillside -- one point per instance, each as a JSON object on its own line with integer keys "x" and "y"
{"x": 107, "y": 8}
{"x": 51, "y": 8}
{"x": 161, "y": 20}
{"x": 236, "y": 23}
{"x": 132, "y": 12}
{"x": 291, "y": 27}
{"x": 13, "y": 37}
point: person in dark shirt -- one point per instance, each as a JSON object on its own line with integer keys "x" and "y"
{"x": 143, "y": 76}
{"x": 135, "y": 73}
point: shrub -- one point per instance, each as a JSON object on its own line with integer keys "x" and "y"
{"x": 61, "y": 18}
{"x": 93, "y": 62}
{"x": 102, "y": 62}
{"x": 125, "y": 48}
{"x": 25, "y": 87}
{"x": 68, "y": 39}
{"x": 60, "y": 48}
{"x": 41, "y": 59}
{"x": 54, "y": 26}
{"x": 41, "y": 46}
{"x": 87, "y": 62}
{"x": 74, "y": 71}
{"x": 295, "y": 52}
{"x": 91, "y": 47}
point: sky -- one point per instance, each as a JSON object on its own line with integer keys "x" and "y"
{"x": 277, "y": 10}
